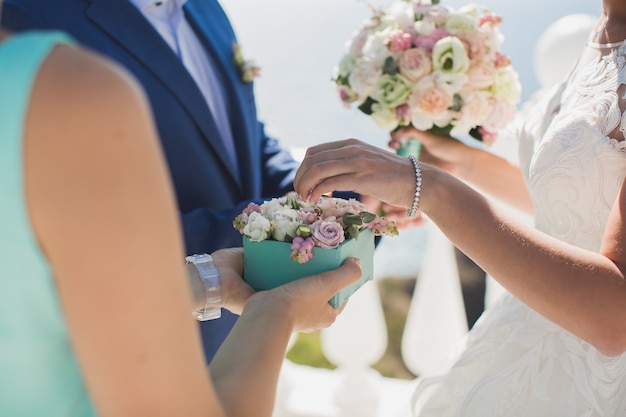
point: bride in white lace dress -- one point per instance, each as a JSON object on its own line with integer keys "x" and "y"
{"x": 555, "y": 345}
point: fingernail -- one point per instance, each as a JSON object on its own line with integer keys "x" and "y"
{"x": 357, "y": 261}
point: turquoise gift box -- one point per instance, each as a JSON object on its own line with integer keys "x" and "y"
{"x": 267, "y": 264}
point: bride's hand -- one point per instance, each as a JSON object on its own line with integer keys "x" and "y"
{"x": 352, "y": 165}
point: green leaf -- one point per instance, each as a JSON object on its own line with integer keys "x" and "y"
{"x": 367, "y": 217}
{"x": 457, "y": 102}
{"x": 366, "y": 106}
{"x": 390, "y": 67}
{"x": 352, "y": 220}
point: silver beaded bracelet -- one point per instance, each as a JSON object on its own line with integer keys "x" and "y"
{"x": 418, "y": 187}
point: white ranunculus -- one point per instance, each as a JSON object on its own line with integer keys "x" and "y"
{"x": 449, "y": 56}
{"x": 363, "y": 78}
{"x": 258, "y": 227}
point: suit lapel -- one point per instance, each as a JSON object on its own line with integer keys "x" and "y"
{"x": 215, "y": 33}
{"x": 123, "y": 22}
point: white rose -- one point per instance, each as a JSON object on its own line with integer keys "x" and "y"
{"x": 363, "y": 78}
{"x": 461, "y": 23}
{"x": 449, "y": 56}
{"x": 507, "y": 87}
{"x": 375, "y": 49}
{"x": 258, "y": 227}
{"x": 424, "y": 27}
{"x": 285, "y": 224}
{"x": 401, "y": 13}
{"x": 354, "y": 46}
{"x": 414, "y": 63}
{"x": 384, "y": 117}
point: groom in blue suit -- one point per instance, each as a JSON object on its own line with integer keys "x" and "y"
{"x": 218, "y": 153}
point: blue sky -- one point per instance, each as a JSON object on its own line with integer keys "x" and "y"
{"x": 297, "y": 43}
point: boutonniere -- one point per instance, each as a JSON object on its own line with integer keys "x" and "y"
{"x": 248, "y": 70}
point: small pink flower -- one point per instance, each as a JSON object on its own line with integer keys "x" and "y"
{"x": 502, "y": 60}
{"x": 491, "y": 19}
{"x": 302, "y": 249}
{"x": 403, "y": 112}
{"x": 382, "y": 226}
{"x": 488, "y": 137}
{"x": 399, "y": 41}
{"x": 251, "y": 208}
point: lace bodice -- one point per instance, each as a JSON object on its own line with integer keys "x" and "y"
{"x": 573, "y": 151}
{"x": 515, "y": 362}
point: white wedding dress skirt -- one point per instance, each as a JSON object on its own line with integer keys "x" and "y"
{"x": 515, "y": 362}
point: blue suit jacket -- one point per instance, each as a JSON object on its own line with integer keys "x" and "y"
{"x": 209, "y": 191}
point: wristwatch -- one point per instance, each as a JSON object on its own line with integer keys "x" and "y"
{"x": 202, "y": 264}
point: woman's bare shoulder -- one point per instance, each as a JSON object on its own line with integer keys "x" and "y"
{"x": 72, "y": 75}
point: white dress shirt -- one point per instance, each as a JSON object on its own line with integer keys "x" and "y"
{"x": 168, "y": 18}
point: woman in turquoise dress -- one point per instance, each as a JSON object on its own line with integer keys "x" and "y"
{"x": 83, "y": 268}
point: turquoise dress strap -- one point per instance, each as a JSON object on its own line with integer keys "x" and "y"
{"x": 39, "y": 375}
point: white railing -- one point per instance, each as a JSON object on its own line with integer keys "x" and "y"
{"x": 435, "y": 325}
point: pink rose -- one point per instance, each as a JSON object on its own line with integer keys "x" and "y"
{"x": 501, "y": 115}
{"x": 327, "y": 234}
{"x": 428, "y": 103}
{"x": 414, "y": 63}
{"x": 481, "y": 76}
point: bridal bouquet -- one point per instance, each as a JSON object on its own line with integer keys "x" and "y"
{"x": 285, "y": 239}
{"x": 431, "y": 66}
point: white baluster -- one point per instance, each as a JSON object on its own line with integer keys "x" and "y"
{"x": 436, "y": 319}
{"x": 356, "y": 341}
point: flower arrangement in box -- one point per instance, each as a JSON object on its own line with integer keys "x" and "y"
{"x": 431, "y": 66}
{"x": 286, "y": 239}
